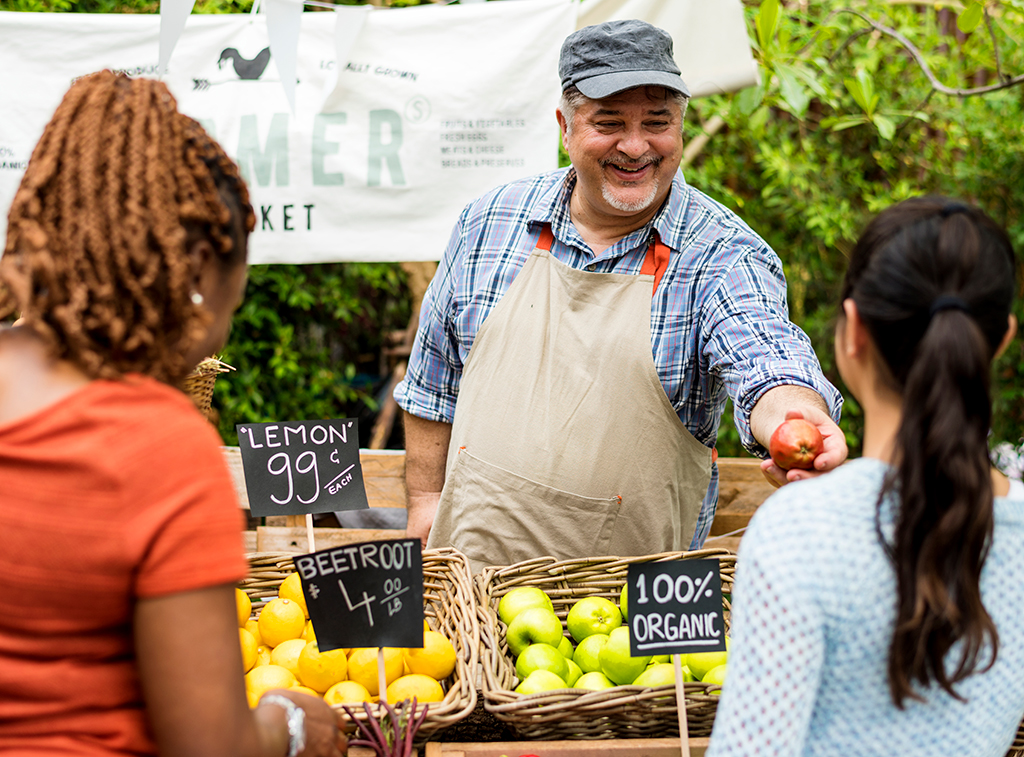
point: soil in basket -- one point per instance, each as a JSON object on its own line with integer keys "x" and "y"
{"x": 479, "y": 725}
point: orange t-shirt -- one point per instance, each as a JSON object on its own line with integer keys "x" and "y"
{"x": 117, "y": 492}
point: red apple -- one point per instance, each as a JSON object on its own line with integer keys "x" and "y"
{"x": 795, "y": 444}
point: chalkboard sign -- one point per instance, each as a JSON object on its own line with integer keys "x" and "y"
{"x": 297, "y": 467}
{"x": 368, "y": 594}
{"x": 675, "y": 607}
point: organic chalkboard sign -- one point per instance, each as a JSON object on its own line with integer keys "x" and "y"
{"x": 297, "y": 467}
{"x": 368, "y": 594}
{"x": 675, "y": 607}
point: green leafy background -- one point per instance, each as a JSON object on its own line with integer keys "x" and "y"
{"x": 843, "y": 123}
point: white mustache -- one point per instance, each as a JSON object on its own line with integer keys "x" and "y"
{"x": 633, "y": 165}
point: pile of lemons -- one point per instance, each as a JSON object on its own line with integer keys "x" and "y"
{"x": 279, "y": 651}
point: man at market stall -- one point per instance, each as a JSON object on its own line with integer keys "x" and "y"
{"x": 584, "y": 329}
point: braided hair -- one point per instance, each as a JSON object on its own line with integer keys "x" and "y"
{"x": 934, "y": 282}
{"x": 117, "y": 188}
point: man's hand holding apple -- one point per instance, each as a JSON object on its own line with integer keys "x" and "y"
{"x": 833, "y": 449}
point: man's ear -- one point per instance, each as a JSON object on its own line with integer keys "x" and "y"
{"x": 563, "y": 123}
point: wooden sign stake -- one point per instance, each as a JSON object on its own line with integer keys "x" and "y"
{"x": 309, "y": 531}
{"x": 381, "y": 677}
{"x": 684, "y": 732}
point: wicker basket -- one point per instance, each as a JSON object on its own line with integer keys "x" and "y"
{"x": 199, "y": 384}
{"x": 449, "y": 606}
{"x": 619, "y": 712}
{"x": 1017, "y": 750}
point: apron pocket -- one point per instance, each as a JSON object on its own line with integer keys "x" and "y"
{"x": 500, "y": 518}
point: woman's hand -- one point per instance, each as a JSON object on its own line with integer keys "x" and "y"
{"x": 324, "y": 737}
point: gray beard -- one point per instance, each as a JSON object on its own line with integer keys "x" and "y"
{"x": 629, "y": 207}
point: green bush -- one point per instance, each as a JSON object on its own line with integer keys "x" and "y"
{"x": 844, "y": 124}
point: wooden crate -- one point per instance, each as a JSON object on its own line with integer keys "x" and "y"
{"x": 742, "y": 488}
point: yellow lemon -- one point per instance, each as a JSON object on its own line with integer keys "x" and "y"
{"x": 244, "y": 606}
{"x": 304, "y": 690}
{"x": 262, "y": 655}
{"x": 291, "y": 588}
{"x": 424, "y": 688}
{"x": 263, "y": 678}
{"x": 426, "y": 625}
{"x": 253, "y": 626}
{"x": 249, "y": 647}
{"x": 321, "y": 670}
{"x": 362, "y": 667}
{"x": 281, "y": 620}
{"x": 286, "y": 654}
{"x": 308, "y": 633}
{"x": 347, "y": 691}
{"x": 436, "y": 659}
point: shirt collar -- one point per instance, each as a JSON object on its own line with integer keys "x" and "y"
{"x": 670, "y": 222}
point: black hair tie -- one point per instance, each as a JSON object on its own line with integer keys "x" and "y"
{"x": 947, "y": 302}
{"x": 953, "y": 207}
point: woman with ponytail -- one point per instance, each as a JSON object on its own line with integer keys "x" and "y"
{"x": 877, "y": 609}
{"x": 120, "y": 533}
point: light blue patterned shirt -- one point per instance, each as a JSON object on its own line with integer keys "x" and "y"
{"x": 813, "y": 609}
{"x": 719, "y": 322}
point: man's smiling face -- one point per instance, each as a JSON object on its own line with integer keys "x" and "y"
{"x": 625, "y": 149}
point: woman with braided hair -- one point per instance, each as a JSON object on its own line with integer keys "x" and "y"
{"x": 876, "y": 610}
{"x": 120, "y": 540}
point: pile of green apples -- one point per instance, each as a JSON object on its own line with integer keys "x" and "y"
{"x": 595, "y": 653}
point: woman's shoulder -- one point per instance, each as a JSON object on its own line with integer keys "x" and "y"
{"x": 850, "y": 488}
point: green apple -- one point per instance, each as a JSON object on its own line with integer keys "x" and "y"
{"x": 700, "y": 663}
{"x": 565, "y": 647}
{"x": 538, "y": 681}
{"x": 534, "y": 625}
{"x": 541, "y": 657}
{"x": 716, "y": 675}
{"x": 623, "y": 603}
{"x": 592, "y": 615}
{"x": 615, "y": 660}
{"x": 661, "y": 674}
{"x": 519, "y": 599}
{"x": 660, "y": 658}
{"x": 574, "y": 673}
{"x": 593, "y": 681}
{"x": 587, "y": 651}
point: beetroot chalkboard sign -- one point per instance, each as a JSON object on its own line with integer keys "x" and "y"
{"x": 297, "y": 467}
{"x": 368, "y": 594}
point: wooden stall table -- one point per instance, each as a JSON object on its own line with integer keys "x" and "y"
{"x": 741, "y": 490}
{"x": 600, "y": 748}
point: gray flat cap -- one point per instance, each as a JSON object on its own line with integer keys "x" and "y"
{"x": 607, "y": 58}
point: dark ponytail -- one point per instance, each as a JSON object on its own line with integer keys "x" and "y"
{"x": 933, "y": 282}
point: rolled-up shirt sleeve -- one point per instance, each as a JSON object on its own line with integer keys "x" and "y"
{"x": 431, "y": 382}
{"x": 750, "y": 343}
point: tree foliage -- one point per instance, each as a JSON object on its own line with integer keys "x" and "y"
{"x": 845, "y": 122}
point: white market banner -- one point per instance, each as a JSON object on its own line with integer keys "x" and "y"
{"x": 370, "y": 160}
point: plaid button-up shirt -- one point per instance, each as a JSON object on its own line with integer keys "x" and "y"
{"x": 719, "y": 321}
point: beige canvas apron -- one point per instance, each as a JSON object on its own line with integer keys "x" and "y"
{"x": 564, "y": 442}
